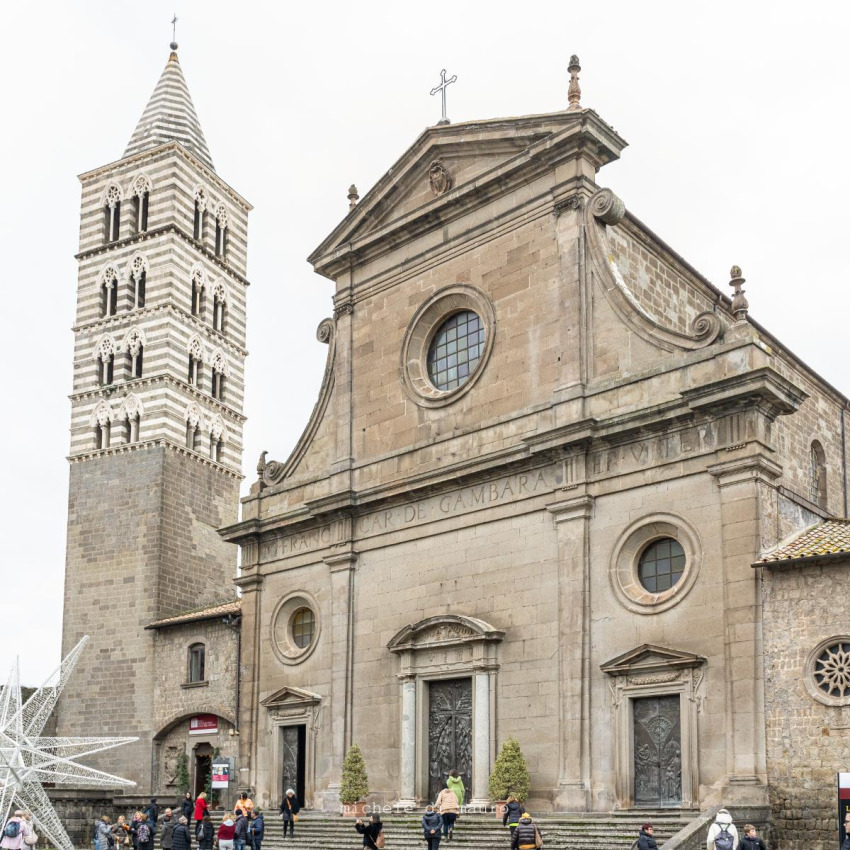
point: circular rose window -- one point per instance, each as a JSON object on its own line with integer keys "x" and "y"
{"x": 447, "y": 344}
{"x": 455, "y": 350}
{"x": 828, "y": 679}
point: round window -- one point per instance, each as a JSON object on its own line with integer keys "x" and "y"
{"x": 832, "y": 670}
{"x": 303, "y": 627}
{"x": 661, "y": 565}
{"x": 455, "y": 350}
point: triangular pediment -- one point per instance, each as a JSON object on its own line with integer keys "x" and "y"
{"x": 481, "y": 159}
{"x": 289, "y": 697}
{"x": 650, "y": 658}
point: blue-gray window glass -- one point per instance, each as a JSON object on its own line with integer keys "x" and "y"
{"x": 455, "y": 350}
{"x": 661, "y": 565}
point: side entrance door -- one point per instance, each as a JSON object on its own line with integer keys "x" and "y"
{"x": 658, "y": 752}
{"x": 449, "y": 733}
{"x": 294, "y": 752}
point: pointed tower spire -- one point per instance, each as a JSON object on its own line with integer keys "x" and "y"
{"x": 170, "y": 116}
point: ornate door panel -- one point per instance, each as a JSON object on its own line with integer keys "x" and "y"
{"x": 658, "y": 751}
{"x": 449, "y": 733}
{"x": 292, "y": 768}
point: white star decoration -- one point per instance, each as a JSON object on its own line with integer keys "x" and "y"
{"x": 28, "y": 759}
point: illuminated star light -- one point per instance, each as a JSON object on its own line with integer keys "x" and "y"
{"x": 28, "y": 759}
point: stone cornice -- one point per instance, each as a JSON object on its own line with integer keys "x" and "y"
{"x": 154, "y": 153}
{"x": 109, "y": 247}
{"x": 752, "y": 468}
{"x": 581, "y": 507}
{"x": 110, "y": 390}
{"x": 146, "y": 445}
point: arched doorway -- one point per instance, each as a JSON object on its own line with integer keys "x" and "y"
{"x": 202, "y": 756}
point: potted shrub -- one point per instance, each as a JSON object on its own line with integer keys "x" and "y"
{"x": 509, "y": 777}
{"x": 354, "y": 787}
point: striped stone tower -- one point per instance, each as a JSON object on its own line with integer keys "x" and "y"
{"x": 156, "y": 413}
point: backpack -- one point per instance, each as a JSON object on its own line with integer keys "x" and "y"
{"x": 143, "y": 833}
{"x": 13, "y": 829}
{"x": 723, "y": 840}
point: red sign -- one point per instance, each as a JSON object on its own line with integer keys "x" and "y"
{"x": 203, "y": 724}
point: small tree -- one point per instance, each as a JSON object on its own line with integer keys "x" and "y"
{"x": 510, "y": 774}
{"x": 183, "y": 772}
{"x": 355, "y": 782}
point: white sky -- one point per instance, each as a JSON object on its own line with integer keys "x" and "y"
{"x": 737, "y": 116}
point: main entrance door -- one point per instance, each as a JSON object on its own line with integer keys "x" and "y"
{"x": 658, "y": 751}
{"x": 449, "y": 733}
{"x": 292, "y": 770}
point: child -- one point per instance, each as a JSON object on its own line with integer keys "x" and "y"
{"x": 751, "y": 841}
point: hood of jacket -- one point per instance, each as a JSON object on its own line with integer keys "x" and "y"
{"x": 525, "y": 820}
{"x": 432, "y": 820}
{"x": 723, "y": 818}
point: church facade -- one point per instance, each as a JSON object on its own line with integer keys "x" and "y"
{"x": 537, "y": 496}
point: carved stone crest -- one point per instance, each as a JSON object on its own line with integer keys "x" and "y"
{"x": 441, "y": 180}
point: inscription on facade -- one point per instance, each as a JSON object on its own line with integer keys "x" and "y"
{"x": 305, "y": 541}
{"x": 458, "y": 502}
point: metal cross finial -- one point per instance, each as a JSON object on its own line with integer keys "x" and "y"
{"x": 174, "y": 32}
{"x": 442, "y": 89}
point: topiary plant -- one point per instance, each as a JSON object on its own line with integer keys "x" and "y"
{"x": 355, "y": 782}
{"x": 182, "y": 777}
{"x": 510, "y": 774}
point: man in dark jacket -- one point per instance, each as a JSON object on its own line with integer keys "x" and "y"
{"x": 256, "y": 829}
{"x": 240, "y": 831}
{"x": 645, "y": 839}
{"x": 153, "y": 813}
{"x": 751, "y": 841}
{"x": 168, "y": 827}
{"x": 527, "y": 835}
{"x": 181, "y": 838}
{"x": 187, "y": 807}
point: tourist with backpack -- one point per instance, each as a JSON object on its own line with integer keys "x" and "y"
{"x": 722, "y": 834}
{"x": 152, "y": 812}
{"x": 14, "y": 831}
{"x": 645, "y": 840}
{"x": 144, "y": 834}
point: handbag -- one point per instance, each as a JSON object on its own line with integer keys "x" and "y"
{"x": 31, "y": 839}
{"x": 295, "y": 818}
{"x": 538, "y": 838}
{"x": 380, "y": 841}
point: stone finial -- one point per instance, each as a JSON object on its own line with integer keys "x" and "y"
{"x": 740, "y": 305}
{"x": 353, "y": 197}
{"x": 574, "y": 93}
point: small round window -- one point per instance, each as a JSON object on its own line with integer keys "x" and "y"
{"x": 303, "y": 627}
{"x": 661, "y": 565}
{"x": 455, "y": 350}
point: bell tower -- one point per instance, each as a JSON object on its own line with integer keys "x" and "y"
{"x": 156, "y": 413}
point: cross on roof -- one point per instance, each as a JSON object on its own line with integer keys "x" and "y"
{"x": 442, "y": 89}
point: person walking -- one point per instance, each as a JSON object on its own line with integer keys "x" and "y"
{"x": 289, "y": 809}
{"x": 205, "y": 833}
{"x": 645, "y": 840}
{"x": 225, "y": 834}
{"x": 370, "y": 831}
{"x": 152, "y": 812}
{"x": 722, "y": 834}
{"x": 751, "y": 840}
{"x": 446, "y": 804}
{"x": 14, "y": 831}
{"x": 455, "y": 782}
{"x": 144, "y": 833}
{"x": 527, "y": 835}
{"x": 187, "y": 807}
{"x": 256, "y": 829}
{"x": 201, "y": 807}
{"x": 240, "y": 830}
{"x": 513, "y": 812}
{"x": 168, "y": 825}
{"x": 432, "y": 824}
{"x": 181, "y": 838}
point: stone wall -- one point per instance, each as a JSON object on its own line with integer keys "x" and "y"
{"x": 807, "y": 742}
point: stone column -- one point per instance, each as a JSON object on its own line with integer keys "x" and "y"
{"x": 743, "y": 483}
{"x": 407, "y": 798}
{"x": 481, "y": 741}
{"x": 342, "y": 567}
{"x": 572, "y": 523}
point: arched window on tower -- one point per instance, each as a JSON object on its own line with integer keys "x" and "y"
{"x": 221, "y": 232}
{"x": 141, "y": 199}
{"x": 200, "y": 214}
{"x": 196, "y": 361}
{"x": 218, "y": 376}
{"x": 102, "y": 422}
{"x": 217, "y": 433}
{"x": 198, "y": 286}
{"x": 137, "y": 273}
{"x": 105, "y": 361}
{"x": 111, "y": 213}
{"x": 108, "y": 292}
{"x": 134, "y": 345}
{"x": 194, "y": 427}
{"x": 817, "y": 474}
{"x": 130, "y": 416}
{"x": 219, "y": 307}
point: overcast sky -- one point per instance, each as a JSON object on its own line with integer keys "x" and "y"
{"x": 736, "y": 116}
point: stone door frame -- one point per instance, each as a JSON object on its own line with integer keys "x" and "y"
{"x": 439, "y": 648}
{"x": 654, "y": 671}
{"x": 293, "y": 707}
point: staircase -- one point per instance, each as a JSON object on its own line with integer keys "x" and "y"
{"x": 477, "y": 831}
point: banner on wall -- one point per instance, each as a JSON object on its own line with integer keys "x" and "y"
{"x": 203, "y": 724}
{"x": 843, "y": 804}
